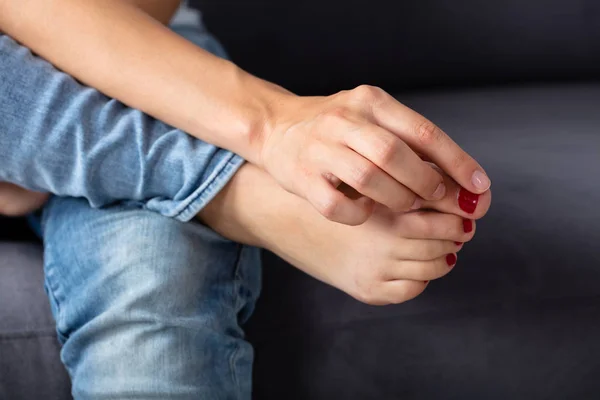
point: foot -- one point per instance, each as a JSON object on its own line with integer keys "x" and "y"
{"x": 388, "y": 259}
{"x": 16, "y": 201}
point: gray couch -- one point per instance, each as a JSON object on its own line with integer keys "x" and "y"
{"x": 519, "y": 317}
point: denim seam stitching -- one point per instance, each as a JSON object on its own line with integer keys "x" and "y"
{"x": 52, "y": 287}
{"x": 236, "y": 299}
{"x": 226, "y": 172}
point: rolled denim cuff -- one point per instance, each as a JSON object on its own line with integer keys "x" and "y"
{"x": 61, "y": 137}
{"x": 188, "y": 207}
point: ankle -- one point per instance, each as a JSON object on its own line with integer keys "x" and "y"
{"x": 236, "y": 212}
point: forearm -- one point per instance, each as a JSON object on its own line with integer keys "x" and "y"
{"x": 123, "y": 52}
{"x": 60, "y": 137}
{"x": 161, "y": 10}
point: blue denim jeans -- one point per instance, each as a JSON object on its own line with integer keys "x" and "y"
{"x": 61, "y": 137}
{"x": 146, "y": 307}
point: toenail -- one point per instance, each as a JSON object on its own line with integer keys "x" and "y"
{"x": 451, "y": 259}
{"x": 467, "y": 225}
{"x": 467, "y": 201}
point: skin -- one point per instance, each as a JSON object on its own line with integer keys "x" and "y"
{"x": 16, "y": 201}
{"x": 393, "y": 254}
{"x": 385, "y": 260}
{"x": 377, "y": 143}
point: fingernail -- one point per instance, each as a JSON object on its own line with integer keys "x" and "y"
{"x": 467, "y": 201}
{"x": 417, "y": 204}
{"x": 451, "y": 259}
{"x": 458, "y": 243}
{"x": 480, "y": 181}
{"x": 439, "y": 192}
{"x": 467, "y": 225}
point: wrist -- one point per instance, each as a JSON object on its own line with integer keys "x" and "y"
{"x": 255, "y": 105}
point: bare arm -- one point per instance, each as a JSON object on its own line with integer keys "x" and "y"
{"x": 129, "y": 55}
{"x": 363, "y": 137}
{"x": 161, "y": 10}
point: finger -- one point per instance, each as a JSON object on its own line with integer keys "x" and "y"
{"x": 426, "y": 138}
{"x": 333, "y": 205}
{"x": 422, "y": 270}
{"x": 392, "y": 155}
{"x": 425, "y": 249}
{"x": 459, "y": 201}
{"x": 367, "y": 179}
{"x": 400, "y": 291}
{"x": 436, "y": 226}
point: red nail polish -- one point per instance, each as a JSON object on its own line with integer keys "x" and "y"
{"x": 426, "y": 282}
{"x": 458, "y": 243}
{"x": 467, "y": 201}
{"x": 451, "y": 259}
{"x": 467, "y": 225}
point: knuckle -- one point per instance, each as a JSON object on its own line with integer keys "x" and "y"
{"x": 367, "y": 93}
{"x": 428, "y": 133}
{"x": 363, "y": 175}
{"x": 334, "y": 116}
{"x": 385, "y": 150}
{"x": 328, "y": 205}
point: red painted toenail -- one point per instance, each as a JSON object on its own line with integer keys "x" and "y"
{"x": 467, "y": 201}
{"x": 467, "y": 225}
{"x": 451, "y": 259}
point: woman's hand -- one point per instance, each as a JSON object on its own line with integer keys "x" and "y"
{"x": 369, "y": 141}
{"x": 389, "y": 259}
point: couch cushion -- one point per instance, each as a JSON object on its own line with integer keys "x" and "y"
{"x": 15, "y": 229}
{"x": 317, "y": 46}
{"x": 518, "y": 318}
{"x": 30, "y": 367}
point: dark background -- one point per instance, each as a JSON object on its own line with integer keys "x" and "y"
{"x": 319, "y": 47}
{"x": 519, "y": 318}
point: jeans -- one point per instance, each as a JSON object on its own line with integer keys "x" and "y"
{"x": 61, "y": 137}
{"x": 146, "y": 307}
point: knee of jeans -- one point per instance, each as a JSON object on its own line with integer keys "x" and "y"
{"x": 137, "y": 360}
{"x": 138, "y": 264}
{"x": 146, "y": 305}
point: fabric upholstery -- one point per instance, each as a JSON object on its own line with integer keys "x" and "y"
{"x": 317, "y": 46}
{"x": 518, "y": 318}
